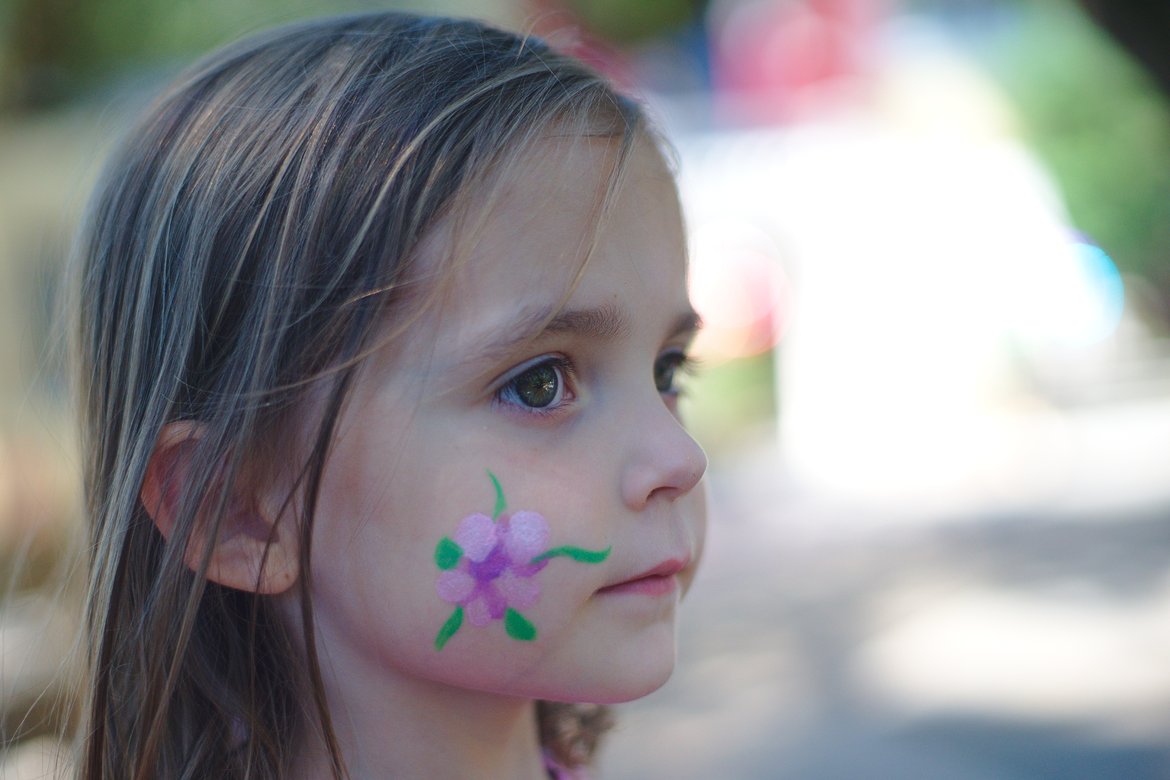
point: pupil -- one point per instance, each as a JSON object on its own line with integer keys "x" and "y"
{"x": 663, "y": 377}
{"x": 538, "y": 387}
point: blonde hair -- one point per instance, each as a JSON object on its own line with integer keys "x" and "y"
{"x": 250, "y": 237}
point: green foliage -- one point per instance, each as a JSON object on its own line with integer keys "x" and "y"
{"x": 53, "y": 50}
{"x": 1100, "y": 126}
{"x": 629, "y": 22}
{"x": 726, "y": 404}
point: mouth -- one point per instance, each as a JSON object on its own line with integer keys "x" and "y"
{"x": 662, "y": 580}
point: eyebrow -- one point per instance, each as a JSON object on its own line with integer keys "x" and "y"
{"x": 603, "y": 323}
{"x": 600, "y": 323}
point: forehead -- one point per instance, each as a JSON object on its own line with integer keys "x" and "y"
{"x": 561, "y": 223}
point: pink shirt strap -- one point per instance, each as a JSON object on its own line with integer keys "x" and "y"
{"x": 558, "y": 772}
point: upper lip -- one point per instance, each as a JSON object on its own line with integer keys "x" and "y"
{"x": 667, "y": 568}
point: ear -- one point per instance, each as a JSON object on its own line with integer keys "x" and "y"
{"x": 253, "y": 550}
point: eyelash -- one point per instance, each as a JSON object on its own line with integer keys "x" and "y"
{"x": 671, "y": 363}
{"x": 677, "y": 362}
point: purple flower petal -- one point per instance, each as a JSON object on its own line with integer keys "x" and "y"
{"x": 526, "y": 536}
{"x": 494, "y": 600}
{"x": 455, "y": 586}
{"x": 528, "y": 569}
{"x": 477, "y": 535}
{"x": 490, "y": 567}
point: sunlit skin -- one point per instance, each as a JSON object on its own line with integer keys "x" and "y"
{"x": 604, "y": 459}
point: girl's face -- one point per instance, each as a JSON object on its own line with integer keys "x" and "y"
{"x": 511, "y": 504}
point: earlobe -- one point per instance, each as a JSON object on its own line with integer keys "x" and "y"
{"x": 253, "y": 550}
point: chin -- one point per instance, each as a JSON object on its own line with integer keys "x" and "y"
{"x": 629, "y": 678}
{"x": 633, "y": 692}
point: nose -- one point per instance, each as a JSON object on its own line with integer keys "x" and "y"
{"x": 664, "y": 461}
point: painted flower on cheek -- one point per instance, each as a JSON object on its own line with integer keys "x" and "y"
{"x": 495, "y": 571}
{"x": 487, "y": 570}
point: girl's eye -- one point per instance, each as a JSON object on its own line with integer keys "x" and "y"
{"x": 667, "y": 369}
{"x": 541, "y": 386}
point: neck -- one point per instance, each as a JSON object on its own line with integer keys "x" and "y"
{"x": 424, "y": 730}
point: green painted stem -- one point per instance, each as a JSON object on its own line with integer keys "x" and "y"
{"x": 449, "y": 628}
{"x": 576, "y": 553}
{"x": 501, "y": 504}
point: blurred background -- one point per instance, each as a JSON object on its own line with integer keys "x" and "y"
{"x": 931, "y": 243}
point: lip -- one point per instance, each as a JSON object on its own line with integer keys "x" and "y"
{"x": 661, "y": 580}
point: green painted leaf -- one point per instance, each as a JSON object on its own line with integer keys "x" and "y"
{"x": 578, "y": 554}
{"x": 501, "y": 504}
{"x": 449, "y": 628}
{"x": 518, "y": 626}
{"x": 447, "y": 554}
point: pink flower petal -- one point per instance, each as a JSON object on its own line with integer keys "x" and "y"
{"x": 519, "y": 592}
{"x": 526, "y": 537}
{"x": 477, "y": 536}
{"x": 455, "y": 586}
{"x": 477, "y": 613}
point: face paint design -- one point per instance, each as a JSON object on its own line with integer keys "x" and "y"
{"x": 487, "y": 571}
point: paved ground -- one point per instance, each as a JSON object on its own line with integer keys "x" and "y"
{"x": 1008, "y": 642}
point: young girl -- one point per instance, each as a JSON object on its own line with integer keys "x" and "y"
{"x": 380, "y": 326}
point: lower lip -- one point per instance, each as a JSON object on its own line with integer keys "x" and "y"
{"x": 657, "y": 585}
